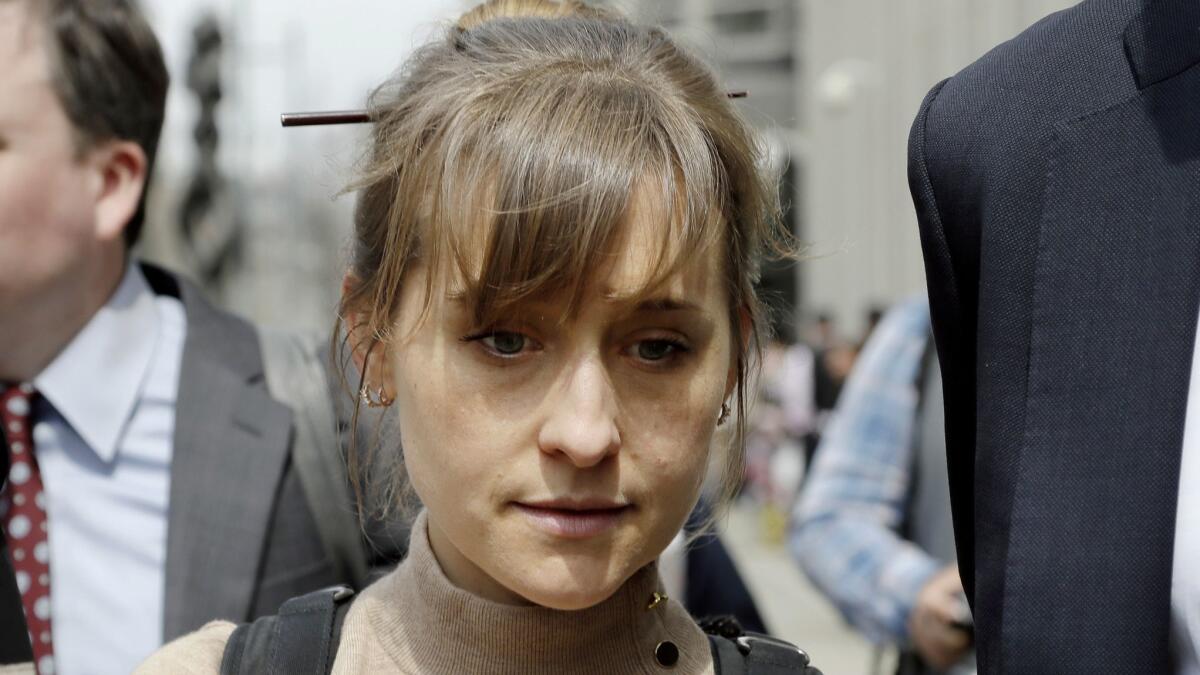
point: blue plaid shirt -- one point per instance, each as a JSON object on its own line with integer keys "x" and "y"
{"x": 843, "y": 531}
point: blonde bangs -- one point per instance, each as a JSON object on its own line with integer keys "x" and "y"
{"x": 537, "y": 189}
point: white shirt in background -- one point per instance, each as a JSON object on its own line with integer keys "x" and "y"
{"x": 103, "y": 437}
{"x": 1185, "y": 580}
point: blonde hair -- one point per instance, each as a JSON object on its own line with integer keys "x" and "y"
{"x": 511, "y": 149}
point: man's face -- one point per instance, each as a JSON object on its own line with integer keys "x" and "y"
{"x": 47, "y": 193}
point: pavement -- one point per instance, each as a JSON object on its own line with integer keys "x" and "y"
{"x": 791, "y": 607}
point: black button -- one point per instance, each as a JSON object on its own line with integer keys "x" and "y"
{"x": 667, "y": 654}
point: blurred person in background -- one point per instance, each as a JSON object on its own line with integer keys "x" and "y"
{"x": 823, "y": 333}
{"x": 696, "y": 567}
{"x": 873, "y": 529}
{"x": 832, "y": 359}
{"x": 874, "y": 316}
{"x": 781, "y": 421}
{"x": 828, "y": 372}
{"x": 150, "y": 482}
{"x": 1057, "y": 186}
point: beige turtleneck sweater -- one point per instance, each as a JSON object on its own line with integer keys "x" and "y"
{"x": 415, "y": 621}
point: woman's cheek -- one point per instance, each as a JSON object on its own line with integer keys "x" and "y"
{"x": 676, "y": 456}
{"x": 431, "y": 429}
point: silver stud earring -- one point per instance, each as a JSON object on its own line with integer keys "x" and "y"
{"x": 378, "y": 399}
{"x": 724, "y": 416}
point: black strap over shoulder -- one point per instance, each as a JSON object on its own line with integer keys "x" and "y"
{"x": 927, "y": 362}
{"x": 735, "y": 652}
{"x": 301, "y": 639}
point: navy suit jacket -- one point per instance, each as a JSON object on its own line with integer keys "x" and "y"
{"x": 1057, "y": 185}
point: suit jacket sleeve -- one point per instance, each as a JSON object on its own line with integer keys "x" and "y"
{"x": 950, "y": 245}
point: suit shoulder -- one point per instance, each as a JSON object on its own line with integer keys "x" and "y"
{"x": 1067, "y": 64}
{"x": 197, "y": 653}
{"x": 215, "y": 336}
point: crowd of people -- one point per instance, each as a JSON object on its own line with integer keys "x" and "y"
{"x": 551, "y": 372}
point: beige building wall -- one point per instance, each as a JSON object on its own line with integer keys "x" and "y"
{"x": 834, "y": 84}
{"x": 864, "y": 68}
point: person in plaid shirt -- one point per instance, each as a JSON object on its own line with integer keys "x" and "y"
{"x": 872, "y": 528}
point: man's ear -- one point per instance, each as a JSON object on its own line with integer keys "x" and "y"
{"x": 745, "y": 332}
{"x": 121, "y": 168}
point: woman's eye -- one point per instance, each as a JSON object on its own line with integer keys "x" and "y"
{"x": 504, "y": 343}
{"x": 658, "y": 350}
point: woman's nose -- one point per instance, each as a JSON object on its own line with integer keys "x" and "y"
{"x": 582, "y": 422}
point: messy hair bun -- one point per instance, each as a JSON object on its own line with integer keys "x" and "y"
{"x": 522, "y": 9}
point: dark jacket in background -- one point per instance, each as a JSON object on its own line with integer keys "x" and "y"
{"x": 241, "y": 538}
{"x": 1057, "y": 184}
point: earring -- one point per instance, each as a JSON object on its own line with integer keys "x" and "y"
{"x": 378, "y": 400}
{"x": 721, "y": 419}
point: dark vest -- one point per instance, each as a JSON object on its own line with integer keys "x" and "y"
{"x": 928, "y": 523}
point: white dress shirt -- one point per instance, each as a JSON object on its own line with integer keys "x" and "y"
{"x": 1185, "y": 579}
{"x": 103, "y": 438}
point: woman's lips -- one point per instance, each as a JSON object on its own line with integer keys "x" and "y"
{"x": 571, "y": 522}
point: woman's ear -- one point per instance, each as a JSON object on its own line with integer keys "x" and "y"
{"x": 370, "y": 354}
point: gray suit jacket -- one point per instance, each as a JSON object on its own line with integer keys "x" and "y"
{"x": 241, "y": 538}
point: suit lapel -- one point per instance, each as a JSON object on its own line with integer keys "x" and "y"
{"x": 231, "y": 445}
{"x": 1116, "y": 297}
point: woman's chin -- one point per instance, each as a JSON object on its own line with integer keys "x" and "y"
{"x": 569, "y": 600}
{"x": 565, "y": 591}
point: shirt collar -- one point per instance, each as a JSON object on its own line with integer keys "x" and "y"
{"x": 96, "y": 381}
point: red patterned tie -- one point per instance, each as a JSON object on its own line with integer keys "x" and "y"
{"x": 23, "y": 516}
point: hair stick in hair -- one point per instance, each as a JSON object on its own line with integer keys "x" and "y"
{"x": 308, "y": 119}
{"x": 312, "y": 119}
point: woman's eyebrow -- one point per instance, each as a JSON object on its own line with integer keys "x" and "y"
{"x": 667, "y": 304}
{"x": 661, "y": 303}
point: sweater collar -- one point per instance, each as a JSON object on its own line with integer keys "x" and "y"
{"x": 422, "y": 617}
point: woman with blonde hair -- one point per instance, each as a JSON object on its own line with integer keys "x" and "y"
{"x": 552, "y": 290}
